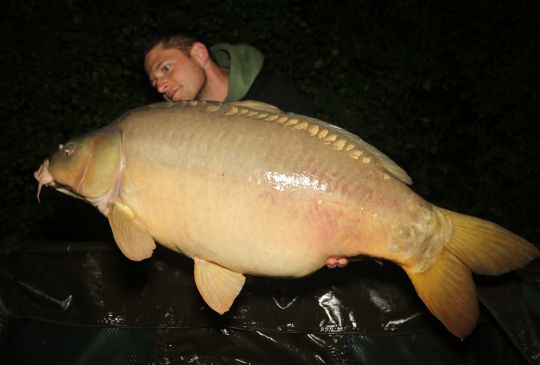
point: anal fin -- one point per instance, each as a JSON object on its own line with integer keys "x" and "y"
{"x": 218, "y": 286}
{"x": 133, "y": 240}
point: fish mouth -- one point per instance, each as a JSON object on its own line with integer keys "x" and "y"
{"x": 44, "y": 177}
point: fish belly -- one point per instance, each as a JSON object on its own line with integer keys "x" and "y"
{"x": 248, "y": 229}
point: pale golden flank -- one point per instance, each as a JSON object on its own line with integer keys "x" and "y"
{"x": 244, "y": 188}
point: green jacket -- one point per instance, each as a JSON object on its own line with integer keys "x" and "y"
{"x": 242, "y": 62}
{"x": 248, "y": 80}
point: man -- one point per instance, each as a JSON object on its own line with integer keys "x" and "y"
{"x": 181, "y": 67}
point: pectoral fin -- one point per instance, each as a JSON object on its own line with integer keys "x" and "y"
{"x": 133, "y": 240}
{"x": 218, "y": 286}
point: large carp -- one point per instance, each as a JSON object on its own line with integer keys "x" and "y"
{"x": 244, "y": 188}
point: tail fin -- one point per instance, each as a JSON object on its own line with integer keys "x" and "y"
{"x": 485, "y": 247}
{"x": 476, "y": 245}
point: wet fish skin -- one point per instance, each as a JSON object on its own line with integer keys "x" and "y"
{"x": 243, "y": 188}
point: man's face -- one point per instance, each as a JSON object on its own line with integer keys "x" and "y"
{"x": 174, "y": 74}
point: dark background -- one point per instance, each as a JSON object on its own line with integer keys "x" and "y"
{"x": 449, "y": 89}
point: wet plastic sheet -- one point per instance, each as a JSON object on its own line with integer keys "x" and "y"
{"x": 78, "y": 302}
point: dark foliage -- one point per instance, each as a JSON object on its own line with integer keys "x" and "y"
{"x": 450, "y": 90}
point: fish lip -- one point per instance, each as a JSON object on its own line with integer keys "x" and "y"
{"x": 44, "y": 177}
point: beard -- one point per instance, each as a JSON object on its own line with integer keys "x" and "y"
{"x": 194, "y": 87}
{"x": 200, "y": 79}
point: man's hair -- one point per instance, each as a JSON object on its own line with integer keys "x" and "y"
{"x": 172, "y": 39}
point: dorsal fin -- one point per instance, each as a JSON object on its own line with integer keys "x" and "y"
{"x": 380, "y": 158}
{"x": 257, "y": 105}
{"x": 386, "y": 163}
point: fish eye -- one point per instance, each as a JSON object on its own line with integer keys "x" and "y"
{"x": 68, "y": 149}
